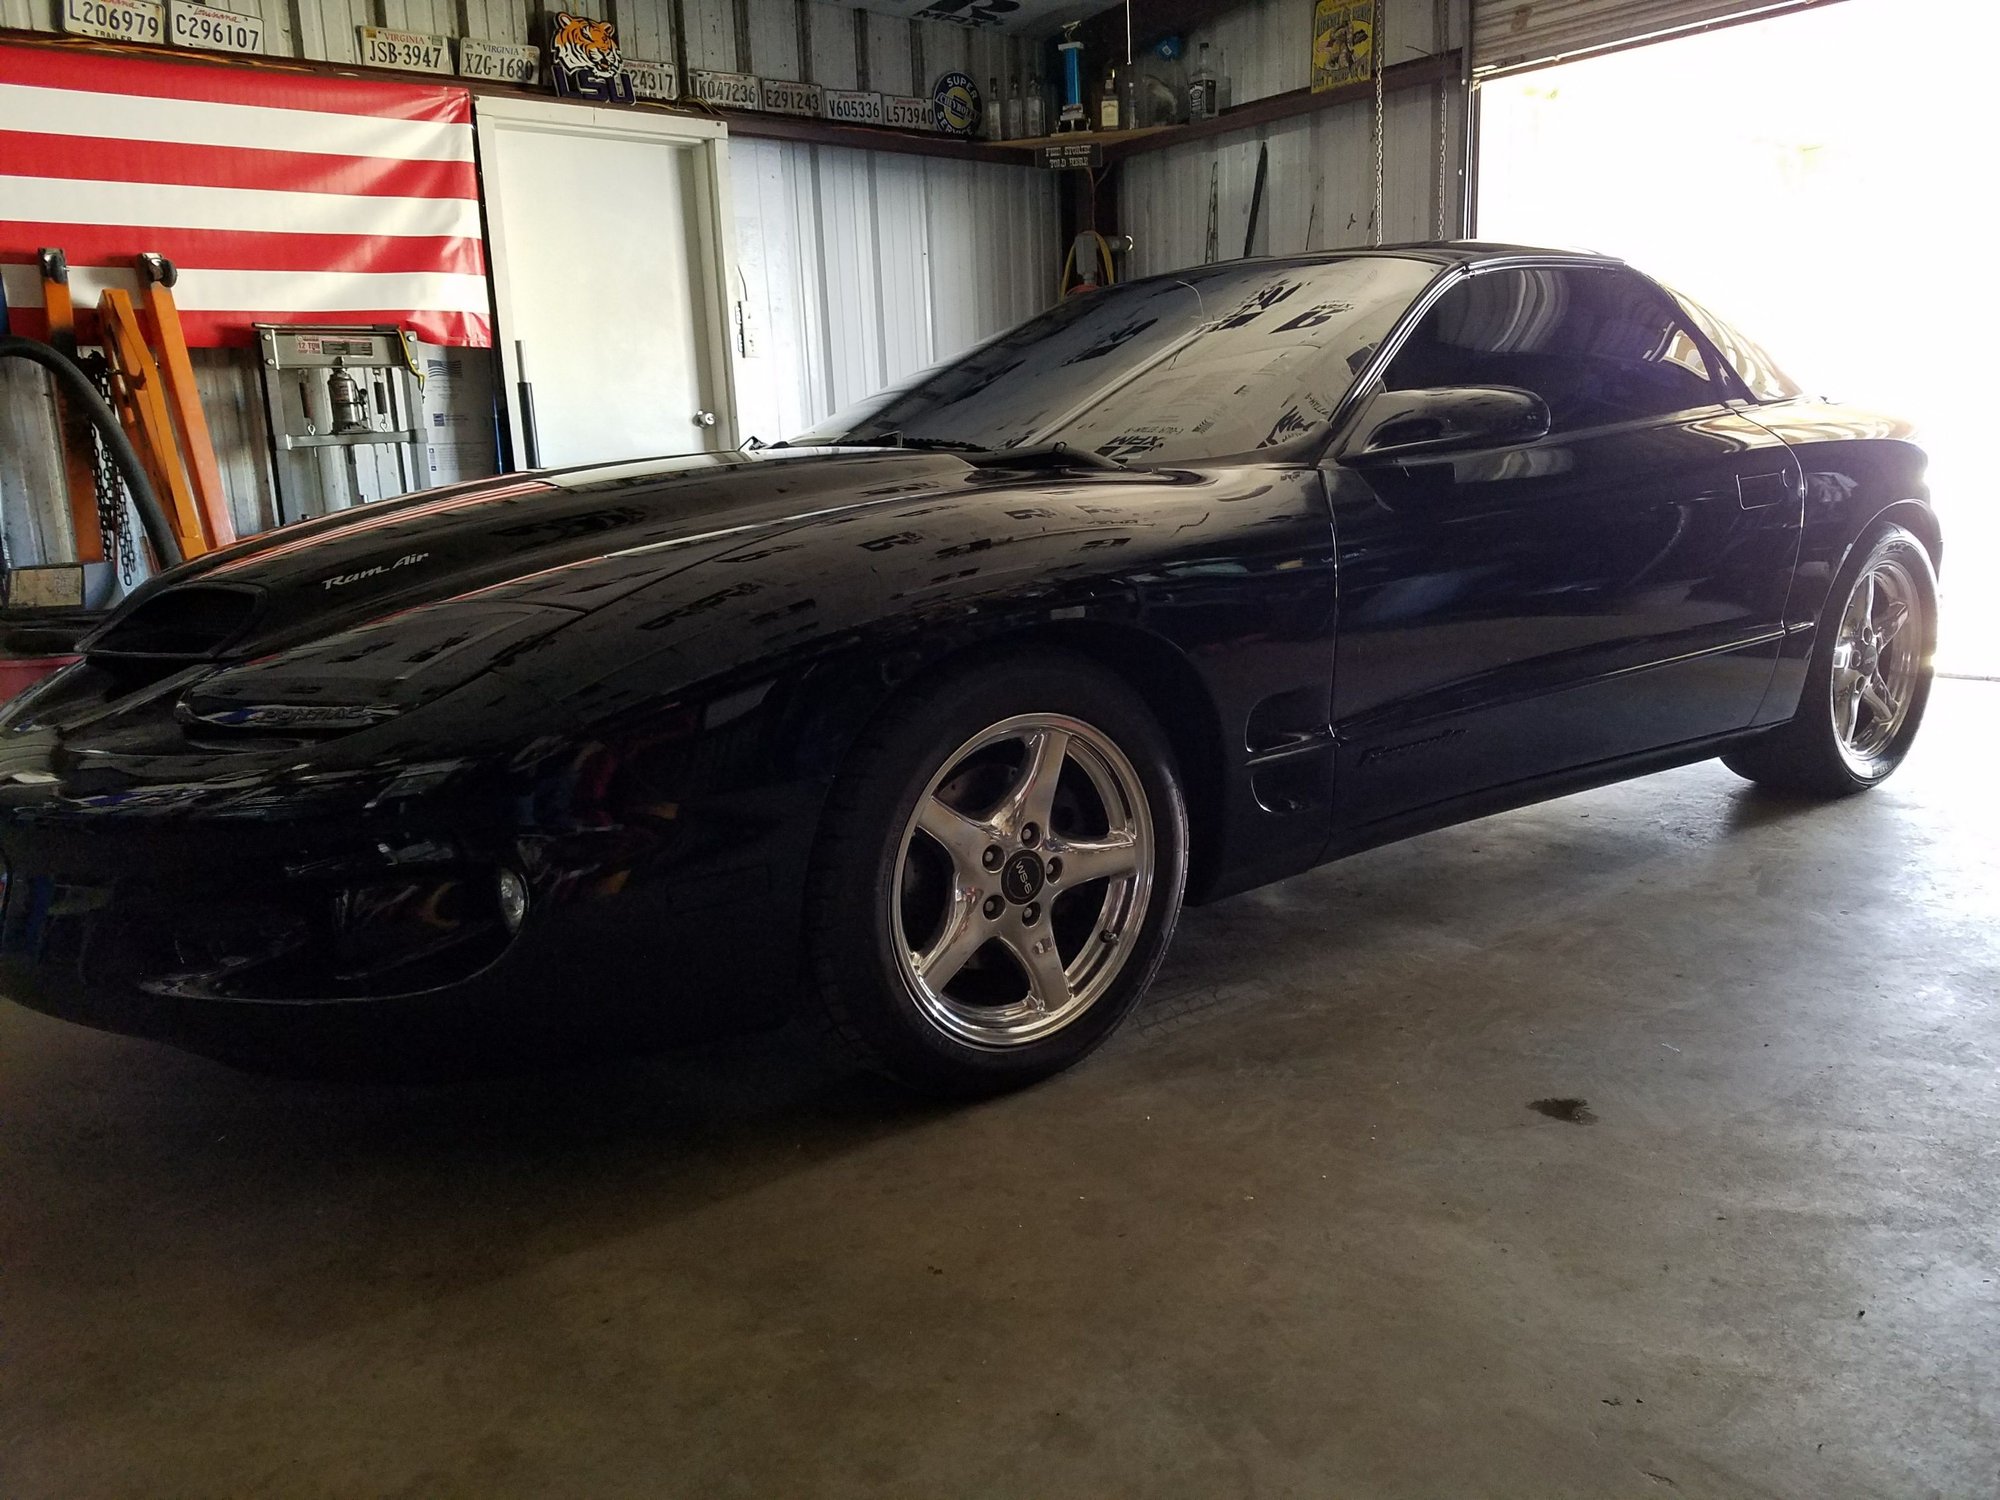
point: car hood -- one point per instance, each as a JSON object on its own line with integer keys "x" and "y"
{"x": 572, "y": 540}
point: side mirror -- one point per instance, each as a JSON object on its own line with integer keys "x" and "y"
{"x": 1411, "y": 424}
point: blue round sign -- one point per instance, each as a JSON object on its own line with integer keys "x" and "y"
{"x": 955, "y": 104}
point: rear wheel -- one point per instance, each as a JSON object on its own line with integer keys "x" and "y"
{"x": 1868, "y": 681}
{"x": 998, "y": 876}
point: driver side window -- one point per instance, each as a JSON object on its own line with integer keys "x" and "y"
{"x": 1599, "y": 345}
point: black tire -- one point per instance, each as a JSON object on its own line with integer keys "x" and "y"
{"x": 1809, "y": 755}
{"x": 864, "y": 884}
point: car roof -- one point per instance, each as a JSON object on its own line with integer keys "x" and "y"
{"x": 1441, "y": 252}
{"x": 1470, "y": 251}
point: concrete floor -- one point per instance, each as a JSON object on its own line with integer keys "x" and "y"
{"x": 1298, "y": 1232}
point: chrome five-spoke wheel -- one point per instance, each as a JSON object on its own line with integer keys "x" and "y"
{"x": 1867, "y": 679}
{"x": 1878, "y": 660}
{"x": 1023, "y": 877}
{"x": 998, "y": 873}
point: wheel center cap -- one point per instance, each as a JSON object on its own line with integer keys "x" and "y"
{"x": 1021, "y": 878}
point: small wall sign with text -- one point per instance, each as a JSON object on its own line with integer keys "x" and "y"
{"x": 116, "y": 20}
{"x": 215, "y": 30}
{"x": 409, "y": 51}
{"x": 1343, "y": 46}
{"x": 725, "y": 90}
{"x": 906, "y": 112}
{"x": 1073, "y": 156}
{"x": 783, "y": 97}
{"x": 584, "y": 60}
{"x": 56, "y": 586}
{"x": 853, "y": 107}
{"x": 653, "y": 80}
{"x": 498, "y": 62}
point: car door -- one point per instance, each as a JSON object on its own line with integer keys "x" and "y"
{"x": 1614, "y": 587}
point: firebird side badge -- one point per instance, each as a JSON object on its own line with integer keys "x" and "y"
{"x": 1377, "y": 753}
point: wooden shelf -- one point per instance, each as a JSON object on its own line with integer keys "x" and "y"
{"x": 747, "y": 122}
{"x": 1422, "y": 72}
{"x": 1105, "y": 138}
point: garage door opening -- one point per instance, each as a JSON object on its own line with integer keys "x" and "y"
{"x": 1813, "y": 179}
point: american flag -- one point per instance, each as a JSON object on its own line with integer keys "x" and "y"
{"x": 281, "y": 197}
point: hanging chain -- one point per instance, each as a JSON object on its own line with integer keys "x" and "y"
{"x": 1444, "y": 166}
{"x": 1441, "y": 47}
{"x": 1375, "y": 63}
{"x": 109, "y": 486}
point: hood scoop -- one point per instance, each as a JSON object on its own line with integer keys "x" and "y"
{"x": 192, "y": 622}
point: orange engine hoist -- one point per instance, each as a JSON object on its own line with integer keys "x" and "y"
{"x": 129, "y": 422}
{"x": 153, "y": 391}
{"x": 147, "y": 375}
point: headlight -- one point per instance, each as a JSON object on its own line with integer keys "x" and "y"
{"x": 513, "y": 892}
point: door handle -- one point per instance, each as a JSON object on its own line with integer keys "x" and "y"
{"x": 704, "y": 419}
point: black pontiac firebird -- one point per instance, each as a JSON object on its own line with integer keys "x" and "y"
{"x": 938, "y": 713}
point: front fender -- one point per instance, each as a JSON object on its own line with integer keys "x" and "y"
{"x": 746, "y": 681}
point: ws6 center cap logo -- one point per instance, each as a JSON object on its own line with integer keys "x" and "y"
{"x": 1021, "y": 878}
{"x": 955, "y": 104}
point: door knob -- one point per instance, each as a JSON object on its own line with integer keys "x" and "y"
{"x": 704, "y": 419}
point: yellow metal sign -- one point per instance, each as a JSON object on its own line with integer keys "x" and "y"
{"x": 1343, "y": 43}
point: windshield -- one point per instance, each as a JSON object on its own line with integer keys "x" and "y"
{"x": 1746, "y": 357}
{"x": 1211, "y": 361}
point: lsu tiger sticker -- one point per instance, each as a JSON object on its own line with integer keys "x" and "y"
{"x": 584, "y": 60}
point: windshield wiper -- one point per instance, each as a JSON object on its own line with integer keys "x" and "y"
{"x": 889, "y": 440}
{"x": 1045, "y": 456}
{"x": 926, "y": 444}
{"x": 1036, "y": 456}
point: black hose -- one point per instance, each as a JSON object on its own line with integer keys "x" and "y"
{"x": 83, "y": 395}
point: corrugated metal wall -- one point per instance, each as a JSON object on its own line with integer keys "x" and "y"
{"x": 1319, "y": 185}
{"x": 33, "y": 514}
{"x": 1511, "y": 34}
{"x": 855, "y": 267}
{"x": 858, "y": 268}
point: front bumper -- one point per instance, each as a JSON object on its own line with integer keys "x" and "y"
{"x": 334, "y": 948}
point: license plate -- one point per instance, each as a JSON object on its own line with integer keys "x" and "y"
{"x": 116, "y": 20}
{"x": 500, "y": 62}
{"x": 216, "y": 30}
{"x": 410, "y": 51}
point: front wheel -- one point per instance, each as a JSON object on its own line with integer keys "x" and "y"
{"x": 1868, "y": 680}
{"x": 998, "y": 875}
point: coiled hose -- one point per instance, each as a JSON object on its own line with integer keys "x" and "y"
{"x": 83, "y": 398}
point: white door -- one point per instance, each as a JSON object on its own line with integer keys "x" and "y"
{"x": 610, "y": 266}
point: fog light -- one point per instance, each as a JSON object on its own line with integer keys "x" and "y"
{"x": 513, "y": 899}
